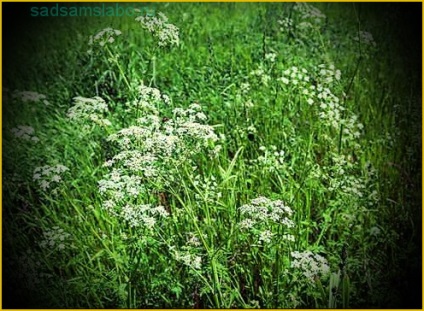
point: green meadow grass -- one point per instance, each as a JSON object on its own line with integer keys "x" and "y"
{"x": 349, "y": 172}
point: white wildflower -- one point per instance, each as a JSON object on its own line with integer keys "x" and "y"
{"x": 271, "y": 57}
{"x": 150, "y": 153}
{"x": 366, "y": 37}
{"x": 44, "y": 185}
{"x": 89, "y": 109}
{"x": 144, "y": 215}
{"x": 327, "y": 75}
{"x": 263, "y": 209}
{"x": 265, "y": 236}
{"x": 289, "y": 237}
{"x": 312, "y": 265}
{"x": 25, "y": 132}
{"x": 197, "y": 262}
{"x": 309, "y": 14}
{"x": 104, "y": 36}
{"x": 191, "y": 260}
{"x": 284, "y": 80}
{"x": 247, "y": 223}
{"x": 285, "y": 23}
{"x": 166, "y": 33}
{"x": 245, "y": 87}
{"x": 46, "y": 176}
{"x": 194, "y": 240}
{"x": 55, "y": 239}
{"x": 270, "y": 160}
{"x": 28, "y": 96}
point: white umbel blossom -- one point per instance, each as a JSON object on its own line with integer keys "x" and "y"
{"x": 309, "y": 14}
{"x": 265, "y": 236}
{"x": 263, "y": 209}
{"x": 89, "y": 109}
{"x": 366, "y": 37}
{"x": 166, "y": 33}
{"x": 28, "y": 96}
{"x": 191, "y": 260}
{"x": 25, "y": 132}
{"x": 144, "y": 215}
{"x": 49, "y": 176}
{"x": 312, "y": 265}
{"x": 104, "y": 37}
{"x": 271, "y": 57}
{"x": 55, "y": 239}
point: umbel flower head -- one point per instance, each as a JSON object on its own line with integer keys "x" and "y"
{"x": 104, "y": 36}
{"x": 366, "y": 37}
{"x": 263, "y": 209}
{"x": 49, "y": 176}
{"x": 150, "y": 151}
{"x": 28, "y": 96}
{"x": 89, "y": 109}
{"x": 312, "y": 265}
{"x": 24, "y": 132}
{"x": 158, "y": 26}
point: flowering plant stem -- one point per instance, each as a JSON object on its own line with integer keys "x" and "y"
{"x": 216, "y": 289}
{"x": 153, "y": 80}
{"x": 121, "y": 71}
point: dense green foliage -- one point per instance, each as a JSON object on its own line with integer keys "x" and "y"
{"x": 257, "y": 155}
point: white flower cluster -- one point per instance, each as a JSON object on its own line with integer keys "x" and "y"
{"x": 136, "y": 215}
{"x": 166, "y": 33}
{"x": 193, "y": 240}
{"x": 319, "y": 93}
{"x": 143, "y": 215}
{"x": 28, "y": 96}
{"x": 150, "y": 153}
{"x": 352, "y": 129}
{"x": 136, "y": 161}
{"x": 92, "y": 109}
{"x": 104, "y": 36}
{"x": 148, "y": 100}
{"x": 164, "y": 141}
{"x": 261, "y": 74}
{"x": 366, "y": 37}
{"x": 271, "y": 57}
{"x": 152, "y": 95}
{"x": 328, "y": 74}
{"x": 191, "y": 260}
{"x": 272, "y": 160}
{"x": 348, "y": 184}
{"x": 25, "y": 132}
{"x": 207, "y": 189}
{"x": 263, "y": 210}
{"x": 295, "y": 76}
{"x": 310, "y": 16}
{"x": 312, "y": 265}
{"x": 46, "y": 175}
{"x": 331, "y": 109}
{"x": 286, "y": 24}
{"x": 190, "y": 252}
{"x": 244, "y": 88}
{"x": 265, "y": 236}
{"x": 55, "y": 239}
{"x": 120, "y": 186}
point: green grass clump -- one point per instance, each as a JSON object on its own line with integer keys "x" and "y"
{"x": 225, "y": 155}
